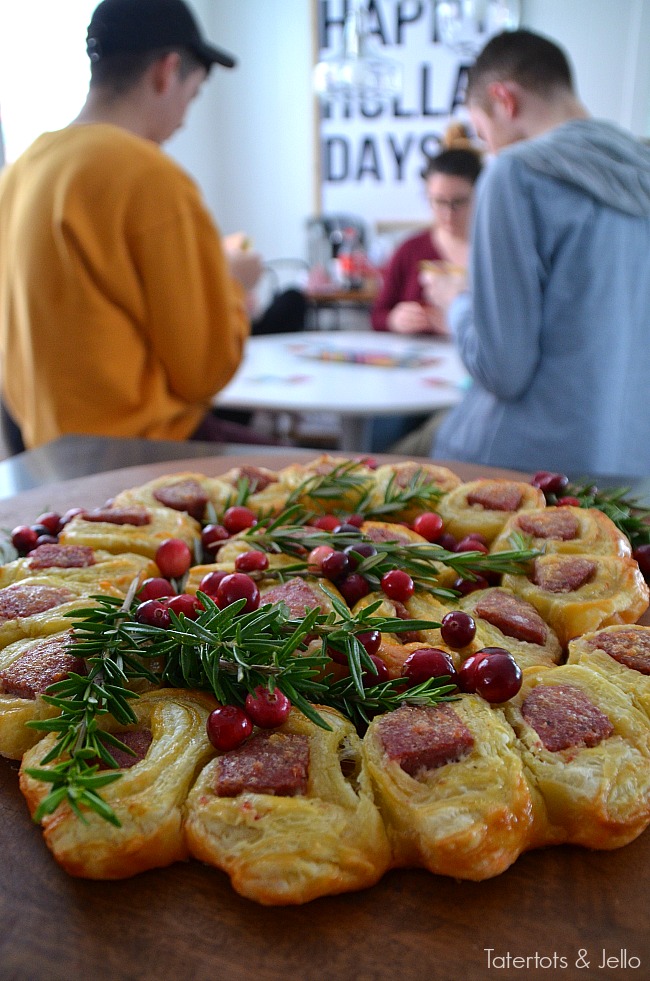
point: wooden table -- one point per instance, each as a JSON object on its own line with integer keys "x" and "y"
{"x": 185, "y": 922}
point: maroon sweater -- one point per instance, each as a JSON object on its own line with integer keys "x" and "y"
{"x": 400, "y": 277}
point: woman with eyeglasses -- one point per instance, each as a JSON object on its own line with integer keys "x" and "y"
{"x": 449, "y": 181}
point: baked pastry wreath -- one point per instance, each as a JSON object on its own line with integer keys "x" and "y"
{"x": 329, "y": 684}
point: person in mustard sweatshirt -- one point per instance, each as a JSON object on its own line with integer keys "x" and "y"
{"x": 121, "y": 313}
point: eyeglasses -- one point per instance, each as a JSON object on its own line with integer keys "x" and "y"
{"x": 452, "y": 204}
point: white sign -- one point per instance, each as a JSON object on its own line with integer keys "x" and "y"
{"x": 372, "y": 155}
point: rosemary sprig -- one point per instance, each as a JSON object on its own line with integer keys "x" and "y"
{"x": 345, "y": 479}
{"x": 630, "y": 517}
{"x": 419, "y": 492}
{"x": 420, "y": 559}
{"x": 385, "y": 697}
{"x": 227, "y": 652}
{"x": 81, "y": 745}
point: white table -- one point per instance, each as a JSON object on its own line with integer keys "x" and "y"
{"x": 282, "y": 373}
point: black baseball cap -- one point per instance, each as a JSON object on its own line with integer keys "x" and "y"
{"x": 134, "y": 26}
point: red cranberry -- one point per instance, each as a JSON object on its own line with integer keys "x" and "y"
{"x": 339, "y": 657}
{"x": 153, "y": 613}
{"x": 353, "y": 588}
{"x": 370, "y": 679}
{"x": 212, "y": 536}
{"x": 315, "y": 558}
{"x": 173, "y": 558}
{"x": 471, "y": 544}
{"x": 364, "y": 549}
{"x": 549, "y": 482}
{"x": 267, "y": 709}
{"x": 397, "y": 585}
{"x": 428, "y": 662}
{"x": 238, "y": 518}
{"x": 187, "y": 604}
{"x": 51, "y": 520}
{"x": 428, "y": 525}
{"x": 335, "y": 565}
{"x": 355, "y": 519}
{"x": 447, "y": 541}
{"x": 568, "y": 502}
{"x": 466, "y": 586}
{"x": 457, "y": 629}
{"x": 210, "y": 582}
{"x": 236, "y": 586}
{"x": 69, "y": 515}
{"x": 345, "y": 528}
{"x": 497, "y": 677}
{"x": 23, "y": 538}
{"x": 46, "y": 540}
{"x": 642, "y": 555}
{"x": 253, "y": 561}
{"x": 227, "y": 727}
{"x": 154, "y": 588}
{"x": 326, "y": 522}
{"x": 465, "y": 678}
{"x": 371, "y": 640}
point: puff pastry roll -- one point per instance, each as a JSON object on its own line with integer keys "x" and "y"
{"x": 392, "y": 477}
{"x": 130, "y": 529}
{"x": 451, "y": 787}
{"x": 289, "y": 815}
{"x": 360, "y": 479}
{"x": 267, "y": 491}
{"x": 171, "y": 744}
{"x": 565, "y": 529}
{"x": 38, "y": 606}
{"x": 622, "y": 655}
{"x": 587, "y": 751}
{"x": 80, "y": 563}
{"x": 186, "y": 491}
{"x": 505, "y": 620}
{"x": 485, "y": 505}
{"x": 579, "y": 593}
{"x": 27, "y": 669}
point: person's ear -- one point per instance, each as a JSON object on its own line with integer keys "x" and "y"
{"x": 504, "y": 95}
{"x": 164, "y": 71}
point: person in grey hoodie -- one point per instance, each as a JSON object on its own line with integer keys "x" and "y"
{"x": 555, "y": 327}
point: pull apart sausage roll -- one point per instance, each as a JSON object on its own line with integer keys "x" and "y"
{"x": 80, "y": 563}
{"x": 289, "y": 815}
{"x": 587, "y": 751}
{"x": 132, "y": 529}
{"x": 171, "y": 745}
{"x": 391, "y": 478}
{"x": 485, "y": 505}
{"x": 568, "y": 530}
{"x": 267, "y": 492}
{"x": 38, "y": 606}
{"x": 27, "y": 669}
{"x": 451, "y": 787}
{"x": 187, "y": 491}
{"x": 505, "y": 620}
{"x": 622, "y": 655}
{"x": 580, "y": 593}
{"x": 359, "y": 480}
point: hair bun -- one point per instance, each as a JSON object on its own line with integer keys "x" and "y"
{"x": 457, "y": 137}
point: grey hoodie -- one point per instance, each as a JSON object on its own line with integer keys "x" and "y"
{"x": 555, "y": 331}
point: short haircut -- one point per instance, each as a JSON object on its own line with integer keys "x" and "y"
{"x": 121, "y": 72}
{"x": 530, "y": 60}
{"x": 455, "y": 163}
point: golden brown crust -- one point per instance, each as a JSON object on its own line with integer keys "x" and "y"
{"x": 615, "y": 592}
{"x": 598, "y": 795}
{"x": 595, "y": 533}
{"x": 470, "y": 818}
{"x": 142, "y": 539}
{"x": 462, "y": 517}
{"x": 281, "y": 850}
{"x": 147, "y": 799}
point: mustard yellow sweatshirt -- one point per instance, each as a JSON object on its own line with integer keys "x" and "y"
{"x": 118, "y": 315}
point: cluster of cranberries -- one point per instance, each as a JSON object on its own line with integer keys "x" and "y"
{"x": 229, "y": 725}
{"x": 44, "y": 531}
